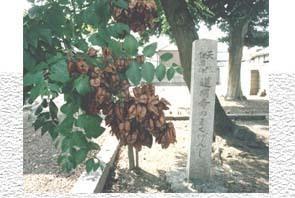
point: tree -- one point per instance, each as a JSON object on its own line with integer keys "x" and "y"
{"x": 184, "y": 31}
{"x": 60, "y": 58}
{"x": 245, "y": 22}
{"x": 60, "y": 38}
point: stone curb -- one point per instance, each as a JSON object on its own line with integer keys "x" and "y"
{"x": 231, "y": 116}
{"x": 94, "y": 182}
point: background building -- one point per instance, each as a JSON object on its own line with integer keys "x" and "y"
{"x": 254, "y": 69}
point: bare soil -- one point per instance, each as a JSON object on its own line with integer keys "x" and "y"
{"x": 238, "y": 168}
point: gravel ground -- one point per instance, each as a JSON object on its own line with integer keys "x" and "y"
{"x": 254, "y": 105}
{"x": 179, "y": 98}
{"x": 40, "y": 168}
{"x": 238, "y": 169}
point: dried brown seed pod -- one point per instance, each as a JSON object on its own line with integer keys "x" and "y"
{"x": 82, "y": 66}
{"x": 95, "y": 82}
{"x": 163, "y": 100}
{"x": 143, "y": 112}
{"x": 138, "y": 110}
{"x": 97, "y": 70}
{"x": 106, "y": 52}
{"x": 127, "y": 126}
{"x": 140, "y": 59}
{"x": 151, "y": 124}
{"x": 152, "y": 109}
{"x": 157, "y": 124}
{"x": 119, "y": 112}
{"x": 121, "y": 126}
{"x": 137, "y": 91}
{"x": 143, "y": 99}
{"x": 92, "y": 52}
{"x": 132, "y": 111}
{"x": 162, "y": 119}
{"x": 110, "y": 69}
{"x": 71, "y": 66}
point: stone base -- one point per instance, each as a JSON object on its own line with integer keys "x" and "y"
{"x": 180, "y": 184}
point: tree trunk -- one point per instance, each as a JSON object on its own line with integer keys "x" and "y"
{"x": 136, "y": 159}
{"x": 131, "y": 157}
{"x": 184, "y": 32}
{"x": 236, "y": 43}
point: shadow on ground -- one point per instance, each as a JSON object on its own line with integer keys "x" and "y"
{"x": 137, "y": 181}
{"x": 241, "y": 169}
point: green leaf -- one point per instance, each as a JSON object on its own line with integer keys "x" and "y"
{"x": 55, "y": 59}
{"x": 54, "y": 87}
{"x": 170, "y": 73}
{"x": 53, "y": 109}
{"x": 69, "y": 108}
{"x": 96, "y": 166}
{"x": 94, "y": 39}
{"x": 91, "y": 125}
{"x": 41, "y": 66}
{"x": 38, "y": 110}
{"x": 34, "y": 11}
{"x": 36, "y": 91}
{"x": 44, "y": 103}
{"x": 133, "y": 73}
{"x": 82, "y": 84}
{"x": 150, "y": 50}
{"x": 29, "y": 61}
{"x": 90, "y": 15}
{"x": 42, "y": 117}
{"x": 80, "y": 155}
{"x": 47, "y": 126}
{"x": 130, "y": 45}
{"x": 66, "y": 126}
{"x": 66, "y": 144}
{"x": 33, "y": 78}
{"x": 115, "y": 47}
{"x": 99, "y": 38}
{"x": 160, "y": 72}
{"x": 81, "y": 44}
{"x": 89, "y": 165}
{"x": 53, "y": 133}
{"x": 78, "y": 139}
{"x": 166, "y": 56}
{"x": 93, "y": 146}
{"x": 103, "y": 12}
{"x": 45, "y": 115}
{"x": 94, "y": 61}
{"x": 118, "y": 30}
{"x": 45, "y": 35}
{"x": 179, "y": 69}
{"x": 59, "y": 72}
{"x": 67, "y": 163}
{"x": 121, "y": 3}
{"x": 148, "y": 71}
{"x": 56, "y": 19}
{"x": 94, "y": 132}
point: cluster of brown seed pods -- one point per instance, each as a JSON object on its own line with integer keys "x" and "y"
{"x": 139, "y": 16}
{"x": 134, "y": 117}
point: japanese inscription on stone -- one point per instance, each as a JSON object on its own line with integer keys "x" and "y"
{"x": 203, "y": 81}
